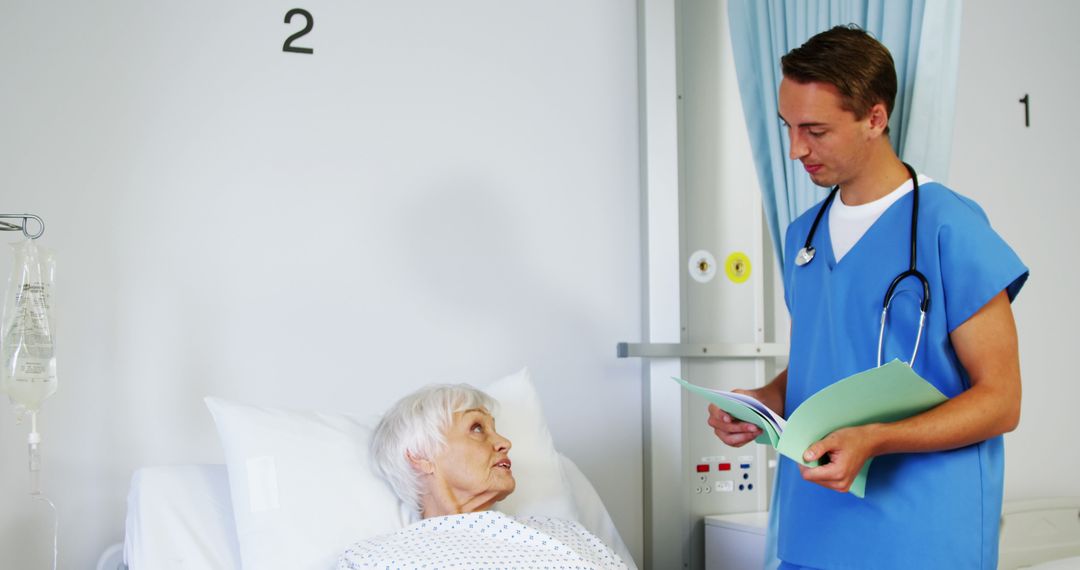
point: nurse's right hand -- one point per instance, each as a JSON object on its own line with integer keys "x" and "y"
{"x": 731, "y": 431}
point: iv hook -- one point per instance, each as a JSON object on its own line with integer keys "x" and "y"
{"x": 24, "y": 228}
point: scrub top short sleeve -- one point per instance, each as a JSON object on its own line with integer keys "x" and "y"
{"x": 976, "y": 263}
{"x": 921, "y": 510}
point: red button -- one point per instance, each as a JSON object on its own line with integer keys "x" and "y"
{"x": 723, "y": 467}
{"x": 702, "y": 468}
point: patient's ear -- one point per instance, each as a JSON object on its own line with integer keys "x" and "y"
{"x": 419, "y": 464}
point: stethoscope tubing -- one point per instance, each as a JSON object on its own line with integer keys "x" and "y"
{"x": 806, "y": 255}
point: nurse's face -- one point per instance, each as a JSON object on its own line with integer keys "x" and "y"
{"x": 473, "y": 469}
{"x": 831, "y": 143}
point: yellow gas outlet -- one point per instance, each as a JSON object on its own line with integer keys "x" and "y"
{"x": 737, "y": 267}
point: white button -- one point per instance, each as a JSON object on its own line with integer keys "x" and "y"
{"x": 725, "y": 486}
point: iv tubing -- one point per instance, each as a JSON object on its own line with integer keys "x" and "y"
{"x": 56, "y": 527}
{"x": 33, "y": 441}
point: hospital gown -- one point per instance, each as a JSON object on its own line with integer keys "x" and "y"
{"x": 486, "y": 540}
{"x": 922, "y": 510}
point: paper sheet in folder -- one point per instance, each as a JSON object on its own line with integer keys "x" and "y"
{"x": 884, "y": 394}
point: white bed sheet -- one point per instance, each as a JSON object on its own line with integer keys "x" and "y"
{"x": 180, "y": 518}
{"x": 1072, "y": 563}
{"x": 1040, "y": 534}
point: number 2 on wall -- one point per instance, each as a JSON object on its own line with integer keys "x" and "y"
{"x": 310, "y": 23}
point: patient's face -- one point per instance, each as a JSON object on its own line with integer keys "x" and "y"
{"x": 474, "y": 467}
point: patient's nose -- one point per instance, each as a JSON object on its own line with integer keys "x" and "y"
{"x": 501, "y": 443}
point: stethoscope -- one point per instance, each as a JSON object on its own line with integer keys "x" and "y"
{"x": 806, "y": 255}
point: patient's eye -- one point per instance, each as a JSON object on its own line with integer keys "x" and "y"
{"x": 477, "y": 428}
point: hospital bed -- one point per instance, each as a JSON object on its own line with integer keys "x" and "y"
{"x": 1040, "y": 534}
{"x": 180, "y": 517}
{"x": 320, "y": 495}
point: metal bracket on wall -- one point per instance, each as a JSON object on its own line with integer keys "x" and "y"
{"x": 689, "y": 350}
{"x": 24, "y": 228}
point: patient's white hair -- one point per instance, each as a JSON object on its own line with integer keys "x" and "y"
{"x": 416, "y": 425}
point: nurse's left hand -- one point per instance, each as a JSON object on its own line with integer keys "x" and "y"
{"x": 847, "y": 449}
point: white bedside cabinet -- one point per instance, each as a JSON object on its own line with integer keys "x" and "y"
{"x": 735, "y": 542}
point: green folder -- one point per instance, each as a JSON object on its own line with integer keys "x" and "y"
{"x": 884, "y": 394}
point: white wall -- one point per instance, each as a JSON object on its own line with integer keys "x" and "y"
{"x": 1024, "y": 177}
{"x": 442, "y": 192}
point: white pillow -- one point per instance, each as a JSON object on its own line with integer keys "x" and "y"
{"x": 542, "y": 485}
{"x": 591, "y": 511}
{"x": 300, "y": 484}
{"x": 303, "y": 489}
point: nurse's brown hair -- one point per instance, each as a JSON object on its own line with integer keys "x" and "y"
{"x": 850, "y": 59}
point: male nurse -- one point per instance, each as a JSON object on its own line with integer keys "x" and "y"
{"x": 934, "y": 491}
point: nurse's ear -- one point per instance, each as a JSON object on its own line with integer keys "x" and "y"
{"x": 877, "y": 119}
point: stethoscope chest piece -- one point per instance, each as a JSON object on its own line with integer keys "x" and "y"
{"x": 805, "y": 255}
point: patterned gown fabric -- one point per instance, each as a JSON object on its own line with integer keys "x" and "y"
{"x": 487, "y": 540}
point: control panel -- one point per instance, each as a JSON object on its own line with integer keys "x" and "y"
{"x": 723, "y": 474}
{"x": 721, "y": 479}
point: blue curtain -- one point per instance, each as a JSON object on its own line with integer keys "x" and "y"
{"x": 924, "y": 39}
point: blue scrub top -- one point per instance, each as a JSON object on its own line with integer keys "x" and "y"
{"x": 922, "y": 510}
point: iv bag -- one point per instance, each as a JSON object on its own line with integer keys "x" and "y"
{"x": 27, "y": 335}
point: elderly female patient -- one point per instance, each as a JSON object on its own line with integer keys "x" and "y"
{"x": 439, "y": 450}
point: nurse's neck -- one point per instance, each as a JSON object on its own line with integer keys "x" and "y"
{"x": 874, "y": 180}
